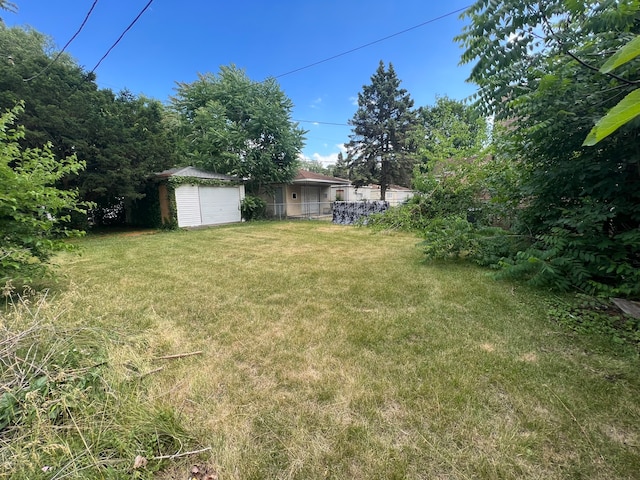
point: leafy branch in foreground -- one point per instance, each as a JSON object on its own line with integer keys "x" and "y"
{"x": 626, "y": 109}
{"x": 33, "y": 211}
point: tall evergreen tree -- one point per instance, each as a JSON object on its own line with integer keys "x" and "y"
{"x": 341, "y": 168}
{"x": 382, "y": 146}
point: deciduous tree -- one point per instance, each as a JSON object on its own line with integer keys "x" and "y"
{"x": 234, "y": 125}
{"x": 315, "y": 166}
{"x": 452, "y": 130}
{"x": 537, "y": 65}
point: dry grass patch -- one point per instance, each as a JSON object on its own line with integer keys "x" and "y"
{"x": 330, "y": 352}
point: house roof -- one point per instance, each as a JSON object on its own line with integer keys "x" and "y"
{"x": 307, "y": 177}
{"x": 195, "y": 173}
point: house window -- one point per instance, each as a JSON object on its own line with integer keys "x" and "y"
{"x": 294, "y": 195}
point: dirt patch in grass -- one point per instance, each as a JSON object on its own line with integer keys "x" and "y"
{"x": 530, "y": 357}
{"x": 488, "y": 347}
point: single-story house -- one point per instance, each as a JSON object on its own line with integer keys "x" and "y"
{"x": 196, "y": 198}
{"x": 308, "y": 195}
{"x": 395, "y": 194}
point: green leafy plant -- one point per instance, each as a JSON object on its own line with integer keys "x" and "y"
{"x": 33, "y": 211}
{"x": 253, "y": 208}
{"x": 456, "y": 237}
{"x": 582, "y": 250}
{"x": 591, "y": 315}
{"x": 626, "y": 109}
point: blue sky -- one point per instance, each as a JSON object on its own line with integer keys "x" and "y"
{"x": 173, "y": 41}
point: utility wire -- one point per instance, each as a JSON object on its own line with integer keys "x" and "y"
{"x": 360, "y": 48}
{"x": 373, "y": 42}
{"x": 122, "y": 35}
{"x": 65, "y": 47}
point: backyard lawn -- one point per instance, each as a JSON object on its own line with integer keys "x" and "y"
{"x": 333, "y": 352}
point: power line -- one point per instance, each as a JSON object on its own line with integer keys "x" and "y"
{"x": 373, "y": 42}
{"x": 65, "y": 47}
{"x": 122, "y": 35}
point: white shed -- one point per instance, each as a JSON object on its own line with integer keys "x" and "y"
{"x": 200, "y": 198}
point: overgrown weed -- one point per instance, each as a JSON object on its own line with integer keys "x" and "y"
{"x": 589, "y": 315}
{"x": 64, "y": 411}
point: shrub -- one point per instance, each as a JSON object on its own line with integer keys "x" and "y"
{"x": 582, "y": 249}
{"x": 253, "y": 208}
{"x": 456, "y": 237}
{"x": 33, "y": 212}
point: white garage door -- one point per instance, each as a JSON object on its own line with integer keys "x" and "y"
{"x": 219, "y": 205}
{"x": 188, "y": 205}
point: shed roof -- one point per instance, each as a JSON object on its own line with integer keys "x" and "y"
{"x": 307, "y": 177}
{"x": 195, "y": 173}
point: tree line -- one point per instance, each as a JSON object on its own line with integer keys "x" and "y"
{"x": 541, "y": 195}
{"x": 98, "y": 149}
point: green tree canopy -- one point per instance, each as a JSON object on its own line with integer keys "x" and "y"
{"x": 341, "y": 168}
{"x": 537, "y": 65}
{"x": 315, "y": 166}
{"x": 123, "y": 139}
{"x": 233, "y": 125}
{"x": 383, "y": 143}
{"x": 452, "y": 129}
{"x": 127, "y": 141}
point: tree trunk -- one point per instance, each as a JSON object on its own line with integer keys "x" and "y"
{"x": 384, "y": 176}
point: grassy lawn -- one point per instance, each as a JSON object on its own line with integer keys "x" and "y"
{"x": 331, "y": 352}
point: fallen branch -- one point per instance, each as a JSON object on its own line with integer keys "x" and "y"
{"x": 177, "y": 355}
{"x": 151, "y": 372}
{"x": 178, "y": 455}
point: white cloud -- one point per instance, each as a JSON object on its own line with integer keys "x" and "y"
{"x": 316, "y": 103}
{"x": 325, "y": 159}
{"x": 354, "y": 101}
{"x": 329, "y": 159}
